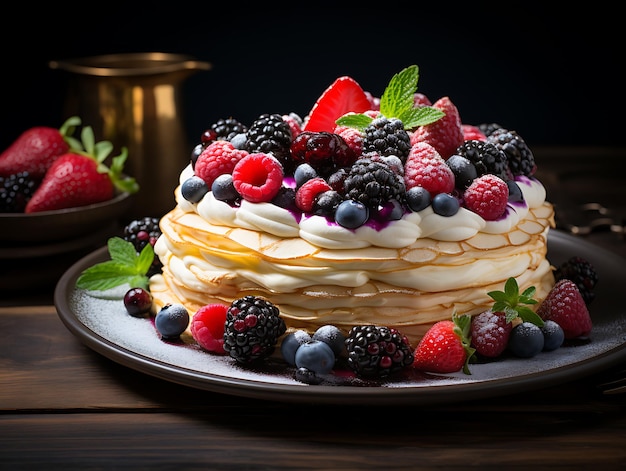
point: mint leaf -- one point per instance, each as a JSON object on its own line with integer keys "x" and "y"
{"x": 125, "y": 266}
{"x": 420, "y": 116}
{"x": 397, "y": 101}
{"x": 514, "y": 304}
{"x": 398, "y": 96}
{"x": 358, "y": 121}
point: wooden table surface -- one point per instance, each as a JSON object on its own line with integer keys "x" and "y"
{"x": 64, "y": 406}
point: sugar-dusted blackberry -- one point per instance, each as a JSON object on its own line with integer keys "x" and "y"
{"x": 486, "y": 157}
{"x": 387, "y": 137}
{"x": 519, "y": 156}
{"x": 227, "y": 128}
{"x": 326, "y": 203}
{"x": 15, "y": 191}
{"x": 270, "y": 133}
{"x": 489, "y": 128}
{"x": 377, "y": 351}
{"x": 582, "y": 273}
{"x": 373, "y": 183}
{"x": 252, "y": 329}
{"x": 141, "y": 232}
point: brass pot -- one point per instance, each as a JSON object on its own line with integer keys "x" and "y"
{"x": 134, "y": 101}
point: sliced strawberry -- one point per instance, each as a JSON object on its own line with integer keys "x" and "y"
{"x": 345, "y": 95}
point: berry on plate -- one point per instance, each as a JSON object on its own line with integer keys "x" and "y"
{"x": 566, "y": 306}
{"x": 445, "y": 347}
{"x": 207, "y": 327}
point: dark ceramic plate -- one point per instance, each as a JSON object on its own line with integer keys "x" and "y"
{"x": 103, "y": 325}
{"x": 46, "y": 227}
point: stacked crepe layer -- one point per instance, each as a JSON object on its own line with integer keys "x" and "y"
{"x": 409, "y": 288}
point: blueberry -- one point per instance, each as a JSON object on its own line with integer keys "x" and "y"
{"x": 515, "y": 192}
{"x": 303, "y": 173}
{"x": 526, "y": 340}
{"x": 223, "y": 188}
{"x": 307, "y": 376}
{"x": 291, "y": 343}
{"x": 553, "y": 335}
{"x": 418, "y": 198}
{"x": 194, "y": 188}
{"x": 239, "y": 141}
{"x": 316, "y": 356}
{"x": 445, "y": 204}
{"x": 351, "y": 214}
{"x": 172, "y": 320}
{"x": 463, "y": 169}
{"x": 332, "y": 336}
{"x": 195, "y": 153}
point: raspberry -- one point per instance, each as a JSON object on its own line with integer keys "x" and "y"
{"x": 419, "y": 99}
{"x": 258, "y": 177}
{"x": 207, "y": 327}
{"x": 490, "y": 333}
{"x": 308, "y": 192}
{"x": 352, "y": 136}
{"x": 426, "y": 168}
{"x": 487, "y": 196}
{"x": 295, "y": 123}
{"x": 472, "y": 133}
{"x": 566, "y": 306}
{"x": 216, "y": 159}
{"x": 445, "y": 134}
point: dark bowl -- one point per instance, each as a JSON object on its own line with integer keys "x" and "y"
{"x": 52, "y": 226}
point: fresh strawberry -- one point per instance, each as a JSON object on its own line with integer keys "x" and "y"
{"x": 566, "y": 306}
{"x": 425, "y": 167}
{"x": 80, "y": 177}
{"x": 487, "y": 196}
{"x": 445, "y": 347}
{"x": 36, "y": 148}
{"x": 490, "y": 330}
{"x": 445, "y": 134}
{"x": 344, "y": 95}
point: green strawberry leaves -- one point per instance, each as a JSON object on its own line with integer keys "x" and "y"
{"x": 125, "y": 266}
{"x": 462, "y": 327}
{"x": 514, "y": 304}
{"x": 397, "y": 102}
{"x": 100, "y": 151}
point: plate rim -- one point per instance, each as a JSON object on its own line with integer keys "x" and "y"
{"x": 328, "y": 394}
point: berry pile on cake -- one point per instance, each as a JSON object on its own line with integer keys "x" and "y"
{"x": 382, "y": 211}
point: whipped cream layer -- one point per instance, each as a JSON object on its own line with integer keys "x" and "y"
{"x": 407, "y": 273}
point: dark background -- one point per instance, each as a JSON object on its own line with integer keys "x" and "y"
{"x": 556, "y": 77}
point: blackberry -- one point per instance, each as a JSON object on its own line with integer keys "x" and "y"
{"x": 520, "y": 157}
{"x": 252, "y": 328}
{"x": 141, "y": 232}
{"x": 489, "y": 128}
{"x": 486, "y": 157}
{"x": 270, "y": 133}
{"x": 373, "y": 183}
{"x": 375, "y": 351}
{"x": 582, "y": 273}
{"x": 15, "y": 191}
{"x": 227, "y": 128}
{"x": 387, "y": 137}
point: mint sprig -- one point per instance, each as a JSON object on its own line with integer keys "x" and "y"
{"x": 514, "y": 304}
{"x": 125, "y": 266}
{"x": 397, "y": 102}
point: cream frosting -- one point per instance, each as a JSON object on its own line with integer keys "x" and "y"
{"x": 406, "y": 273}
